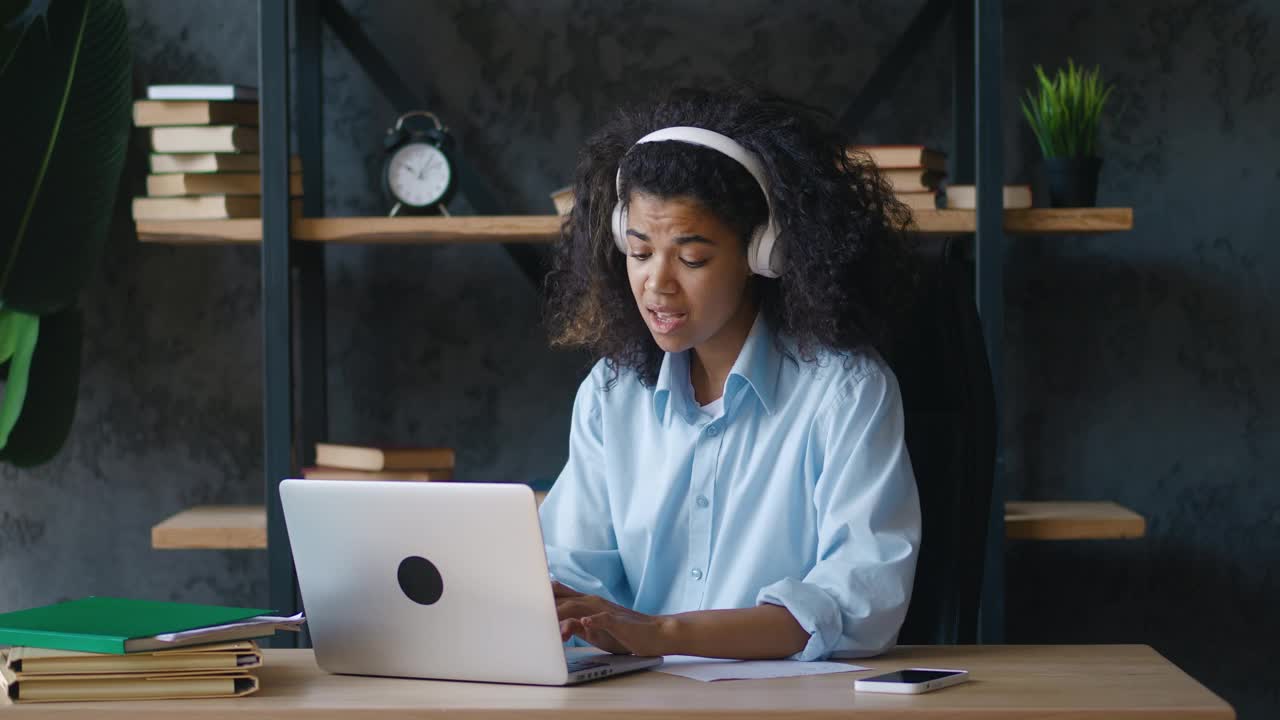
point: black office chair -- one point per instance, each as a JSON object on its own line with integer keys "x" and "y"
{"x": 942, "y": 367}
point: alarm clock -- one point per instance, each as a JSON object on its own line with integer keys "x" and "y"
{"x": 417, "y": 173}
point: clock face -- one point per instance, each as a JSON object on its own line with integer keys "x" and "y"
{"x": 418, "y": 174}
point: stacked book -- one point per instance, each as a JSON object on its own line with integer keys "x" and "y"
{"x": 204, "y": 160}
{"x": 965, "y": 197}
{"x": 915, "y": 172}
{"x": 100, "y": 648}
{"x": 364, "y": 462}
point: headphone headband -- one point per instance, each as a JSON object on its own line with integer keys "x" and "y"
{"x": 760, "y": 249}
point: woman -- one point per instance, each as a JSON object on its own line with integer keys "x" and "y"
{"x": 737, "y": 483}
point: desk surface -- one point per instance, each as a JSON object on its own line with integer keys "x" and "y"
{"x": 1014, "y": 681}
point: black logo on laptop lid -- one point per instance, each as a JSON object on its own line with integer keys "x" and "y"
{"x": 420, "y": 580}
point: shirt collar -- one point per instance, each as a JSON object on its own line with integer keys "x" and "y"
{"x": 673, "y": 376}
{"x": 757, "y": 368}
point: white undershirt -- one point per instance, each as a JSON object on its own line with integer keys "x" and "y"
{"x": 713, "y": 409}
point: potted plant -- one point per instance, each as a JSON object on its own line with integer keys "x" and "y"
{"x": 67, "y": 69}
{"x": 1064, "y": 116}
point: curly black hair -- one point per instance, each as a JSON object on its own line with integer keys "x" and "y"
{"x": 841, "y": 234}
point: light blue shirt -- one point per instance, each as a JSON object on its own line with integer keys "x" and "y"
{"x": 800, "y": 494}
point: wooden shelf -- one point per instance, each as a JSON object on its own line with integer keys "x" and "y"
{"x": 244, "y": 527}
{"x": 200, "y": 232}
{"x": 1071, "y": 521}
{"x": 213, "y": 527}
{"x": 545, "y": 228}
{"x": 1032, "y": 221}
{"x": 362, "y": 230}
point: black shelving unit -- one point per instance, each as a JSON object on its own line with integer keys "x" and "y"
{"x": 293, "y": 282}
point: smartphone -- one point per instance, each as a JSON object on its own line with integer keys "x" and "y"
{"x": 911, "y": 681}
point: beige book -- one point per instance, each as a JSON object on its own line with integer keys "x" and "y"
{"x": 207, "y": 138}
{"x": 170, "y": 184}
{"x": 64, "y": 688}
{"x": 918, "y": 200}
{"x": 912, "y": 180}
{"x": 30, "y": 662}
{"x": 211, "y": 162}
{"x": 330, "y": 473}
{"x": 563, "y": 199}
{"x": 965, "y": 197}
{"x": 152, "y": 113}
{"x": 905, "y": 156}
{"x": 204, "y": 207}
{"x": 363, "y": 457}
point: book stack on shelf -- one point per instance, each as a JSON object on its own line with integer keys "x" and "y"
{"x": 100, "y": 648}
{"x": 915, "y": 172}
{"x": 965, "y": 197}
{"x": 204, "y": 160}
{"x": 362, "y": 462}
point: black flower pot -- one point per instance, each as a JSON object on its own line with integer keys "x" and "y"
{"x": 1072, "y": 182}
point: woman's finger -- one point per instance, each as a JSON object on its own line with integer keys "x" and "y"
{"x": 560, "y": 590}
{"x": 567, "y": 609}
{"x": 600, "y": 626}
{"x": 576, "y": 608}
{"x": 569, "y": 628}
{"x": 582, "y": 605}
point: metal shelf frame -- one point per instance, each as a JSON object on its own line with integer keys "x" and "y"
{"x": 293, "y": 282}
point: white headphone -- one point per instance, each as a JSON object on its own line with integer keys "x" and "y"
{"x": 761, "y": 246}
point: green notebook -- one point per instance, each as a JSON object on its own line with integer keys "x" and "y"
{"x": 119, "y": 626}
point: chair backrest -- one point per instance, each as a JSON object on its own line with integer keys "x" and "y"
{"x": 941, "y": 363}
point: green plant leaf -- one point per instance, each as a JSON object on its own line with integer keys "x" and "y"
{"x": 15, "y": 389}
{"x": 10, "y": 328}
{"x": 73, "y": 71}
{"x": 53, "y": 387}
{"x": 7, "y": 261}
{"x": 1065, "y": 110}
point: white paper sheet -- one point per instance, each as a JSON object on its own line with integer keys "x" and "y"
{"x": 707, "y": 670}
{"x": 292, "y": 622}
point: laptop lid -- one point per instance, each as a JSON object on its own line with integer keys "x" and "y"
{"x": 428, "y": 580}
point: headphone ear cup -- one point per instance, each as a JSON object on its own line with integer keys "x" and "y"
{"x": 753, "y": 248}
{"x": 618, "y": 224}
{"x": 761, "y": 251}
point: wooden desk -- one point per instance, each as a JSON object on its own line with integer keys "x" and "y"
{"x": 1072, "y": 682}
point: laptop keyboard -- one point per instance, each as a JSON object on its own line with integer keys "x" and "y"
{"x": 579, "y": 665}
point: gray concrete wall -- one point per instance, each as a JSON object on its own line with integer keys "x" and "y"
{"x": 1142, "y": 367}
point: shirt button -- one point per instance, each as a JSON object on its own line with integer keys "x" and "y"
{"x": 702, "y": 501}
{"x": 696, "y": 573}
{"x": 713, "y": 430}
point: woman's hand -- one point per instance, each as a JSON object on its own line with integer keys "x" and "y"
{"x": 610, "y": 626}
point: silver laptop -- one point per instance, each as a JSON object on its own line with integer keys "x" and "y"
{"x": 431, "y": 580}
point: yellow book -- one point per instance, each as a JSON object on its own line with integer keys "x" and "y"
{"x": 329, "y": 473}
{"x": 241, "y": 183}
{"x": 204, "y": 138}
{"x": 965, "y": 197}
{"x": 379, "y": 457}
{"x": 33, "y": 675}
{"x": 64, "y": 688}
{"x": 912, "y": 179}
{"x": 32, "y": 662}
{"x": 203, "y": 207}
{"x": 211, "y": 162}
{"x": 918, "y": 200}
{"x": 904, "y": 156}
{"x": 152, "y": 113}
